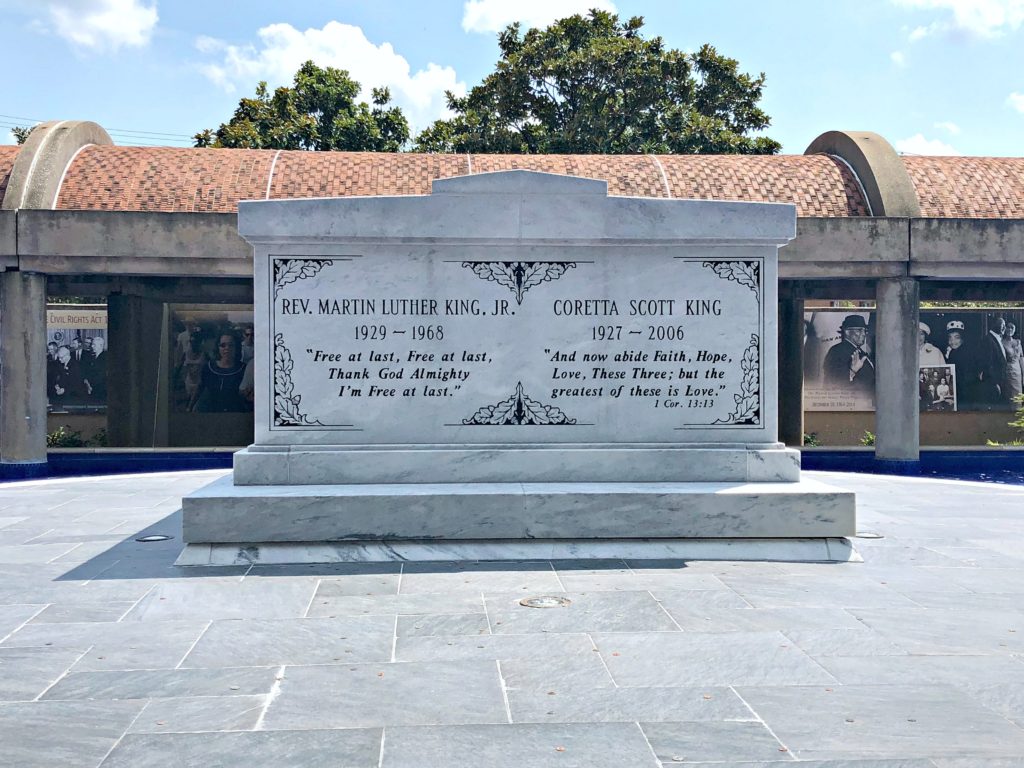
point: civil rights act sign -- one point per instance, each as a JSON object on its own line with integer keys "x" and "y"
{"x": 415, "y": 349}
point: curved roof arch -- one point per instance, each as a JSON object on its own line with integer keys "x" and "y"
{"x": 214, "y": 180}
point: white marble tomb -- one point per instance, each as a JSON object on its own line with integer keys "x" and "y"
{"x": 515, "y": 356}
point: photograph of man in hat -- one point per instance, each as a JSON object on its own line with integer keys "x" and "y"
{"x": 848, "y": 366}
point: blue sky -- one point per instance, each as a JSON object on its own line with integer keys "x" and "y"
{"x": 931, "y": 76}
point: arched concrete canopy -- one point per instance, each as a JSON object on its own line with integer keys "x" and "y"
{"x": 40, "y": 165}
{"x": 885, "y": 180}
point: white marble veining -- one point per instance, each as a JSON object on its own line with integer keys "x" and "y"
{"x": 223, "y": 512}
{"x": 789, "y": 550}
{"x": 307, "y": 465}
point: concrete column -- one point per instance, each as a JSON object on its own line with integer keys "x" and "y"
{"x": 897, "y": 419}
{"x": 22, "y": 374}
{"x": 791, "y": 372}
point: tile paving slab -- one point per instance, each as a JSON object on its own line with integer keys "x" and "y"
{"x": 134, "y": 659}
{"x": 367, "y": 695}
{"x": 45, "y": 734}
{"x": 627, "y": 705}
{"x": 201, "y": 714}
{"x": 262, "y": 642}
{"x": 577, "y": 745}
{"x": 164, "y": 683}
{"x": 352, "y": 748}
{"x": 860, "y": 721}
{"x": 706, "y": 742}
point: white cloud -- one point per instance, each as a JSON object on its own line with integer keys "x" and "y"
{"x": 96, "y": 25}
{"x": 919, "y": 33}
{"x": 495, "y": 15}
{"x": 919, "y": 145}
{"x": 1016, "y": 100}
{"x": 898, "y": 58}
{"x": 952, "y": 128}
{"x": 977, "y": 18}
{"x": 282, "y": 49}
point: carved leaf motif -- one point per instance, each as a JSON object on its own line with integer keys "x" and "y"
{"x": 505, "y": 411}
{"x": 743, "y": 272}
{"x": 287, "y": 411}
{"x": 539, "y": 272}
{"x": 492, "y": 270}
{"x": 289, "y": 271}
{"x": 519, "y": 409}
{"x": 748, "y": 401}
{"x": 535, "y": 412}
{"x": 518, "y": 276}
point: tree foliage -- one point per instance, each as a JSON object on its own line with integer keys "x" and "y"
{"x": 21, "y": 132}
{"x": 593, "y": 84}
{"x": 318, "y": 112}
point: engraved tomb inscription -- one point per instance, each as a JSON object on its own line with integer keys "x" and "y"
{"x": 418, "y": 349}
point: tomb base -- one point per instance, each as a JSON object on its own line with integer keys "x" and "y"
{"x": 225, "y": 513}
{"x": 678, "y": 463}
{"x": 787, "y": 550}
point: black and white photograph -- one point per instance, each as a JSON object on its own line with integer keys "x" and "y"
{"x": 978, "y": 351}
{"x": 983, "y": 346}
{"x": 839, "y": 366}
{"x": 212, "y": 360}
{"x": 76, "y": 358}
{"x": 937, "y": 388}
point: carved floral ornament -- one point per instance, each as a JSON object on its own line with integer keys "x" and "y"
{"x": 519, "y": 276}
{"x": 519, "y": 409}
{"x": 288, "y": 271}
{"x": 747, "y": 402}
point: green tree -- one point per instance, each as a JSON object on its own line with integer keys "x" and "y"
{"x": 319, "y": 112}
{"x": 591, "y": 84}
{"x": 21, "y": 133}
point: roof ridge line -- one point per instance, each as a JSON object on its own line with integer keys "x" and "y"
{"x": 270, "y": 176}
{"x": 664, "y": 177}
{"x": 64, "y": 173}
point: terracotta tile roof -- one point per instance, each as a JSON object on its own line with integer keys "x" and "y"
{"x": 341, "y": 174}
{"x": 968, "y": 187}
{"x": 627, "y": 175}
{"x": 168, "y": 179}
{"x": 164, "y": 179}
{"x": 7, "y": 155}
{"x": 818, "y": 185}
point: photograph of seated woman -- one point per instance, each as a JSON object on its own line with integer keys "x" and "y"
{"x": 221, "y": 377}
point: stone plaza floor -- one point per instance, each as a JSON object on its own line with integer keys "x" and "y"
{"x": 110, "y": 655}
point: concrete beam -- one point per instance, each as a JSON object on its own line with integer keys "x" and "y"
{"x": 844, "y": 240}
{"x": 967, "y": 271}
{"x": 967, "y": 248}
{"x": 851, "y": 290}
{"x": 973, "y": 290}
{"x": 836, "y": 271}
{"x": 881, "y": 172}
{"x": 132, "y": 243}
{"x": 173, "y": 290}
{"x": 8, "y": 240}
{"x": 44, "y": 157}
{"x": 846, "y": 248}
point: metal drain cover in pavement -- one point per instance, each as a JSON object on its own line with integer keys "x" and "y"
{"x": 153, "y": 537}
{"x": 545, "y": 602}
{"x": 868, "y": 535}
